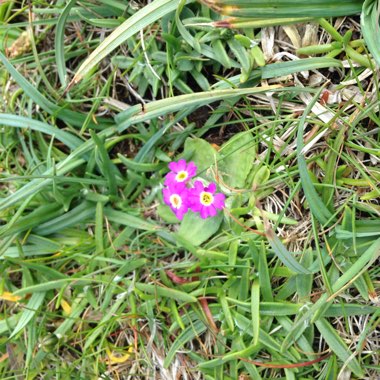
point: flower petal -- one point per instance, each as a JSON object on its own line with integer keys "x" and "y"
{"x": 166, "y": 193}
{"x": 212, "y": 210}
{"x": 173, "y": 166}
{"x": 194, "y": 205}
{"x": 170, "y": 179}
{"x": 204, "y": 213}
{"x": 219, "y": 200}
{"x": 198, "y": 187}
{"x": 181, "y": 165}
{"x": 211, "y": 188}
{"x": 191, "y": 169}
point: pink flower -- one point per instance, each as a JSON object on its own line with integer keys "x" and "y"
{"x": 204, "y": 200}
{"x": 176, "y": 196}
{"x": 181, "y": 172}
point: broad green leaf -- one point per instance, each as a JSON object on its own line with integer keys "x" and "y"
{"x": 202, "y": 154}
{"x": 238, "y": 155}
{"x": 196, "y": 230}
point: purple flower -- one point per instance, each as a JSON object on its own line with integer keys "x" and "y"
{"x": 181, "y": 172}
{"x": 176, "y": 196}
{"x": 204, "y": 200}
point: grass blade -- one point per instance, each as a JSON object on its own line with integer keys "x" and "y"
{"x": 316, "y": 205}
{"x": 129, "y": 220}
{"x": 338, "y": 346}
{"x": 284, "y": 255}
{"x": 24, "y": 122}
{"x": 141, "y": 19}
{"x": 344, "y": 281}
{"x": 137, "y": 114}
{"x": 29, "y": 312}
{"x": 284, "y": 8}
{"x": 370, "y": 27}
{"x": 191, "y": 332}
{"x": 59, "y": 42}
{"x": 165, "y": 292}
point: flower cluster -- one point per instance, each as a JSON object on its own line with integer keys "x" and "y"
{"x": 182, "y": 196}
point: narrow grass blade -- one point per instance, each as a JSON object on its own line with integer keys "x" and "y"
{"x": 243, "y": 22}
{"x": 255, "y": 311}
{"x": 114, "y": 309}
{"x": 29, "y": 312}
{"x": 129, "y": 220}
{"x": 9, "y": 323}
{"x": 71, "y": 117}
{"x": 283, "y": 8}
{"x": 16, "y": 121}
{"x": 141, "y": 19}
{"x": 344, "y": 281}
{"x": 290, "y": 67}
{"x": 137, "y": 114}
{"x": 318, "y": 208}
{"x": 245, "y": 352}
{"x": 370, "y": 27}
{"x": 79, "y": 214}
{"x": 226, "y": 311}
{"x": 48, "y": 272}
{"x": 108, "y": 169}
{"x": 140, "y": 166}
{"x": 284, "y": 255}
{"x": 56, "y": 284}
{"x": 29, "y": 89}
{"x": 60, "y": 42}
{"x": 22, "y": 223}
{"x": 165, "y": 292}
{"x": 191, "y": 332}
{"x": 338, "y": 347}
{"x": 78, "y": 306}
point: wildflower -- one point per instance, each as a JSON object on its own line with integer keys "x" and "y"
{"x": 176, "y": 196}
{"x": 181, "y": 172}
{"x": 204, "y": 200}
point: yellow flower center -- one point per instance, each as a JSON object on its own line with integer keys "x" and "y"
{"x": 181, "y": 176}
{"x": 176, "y": 201}
{"x": 206, "y": 198}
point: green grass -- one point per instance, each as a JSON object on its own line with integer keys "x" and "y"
{"x": 98, "y": 277}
